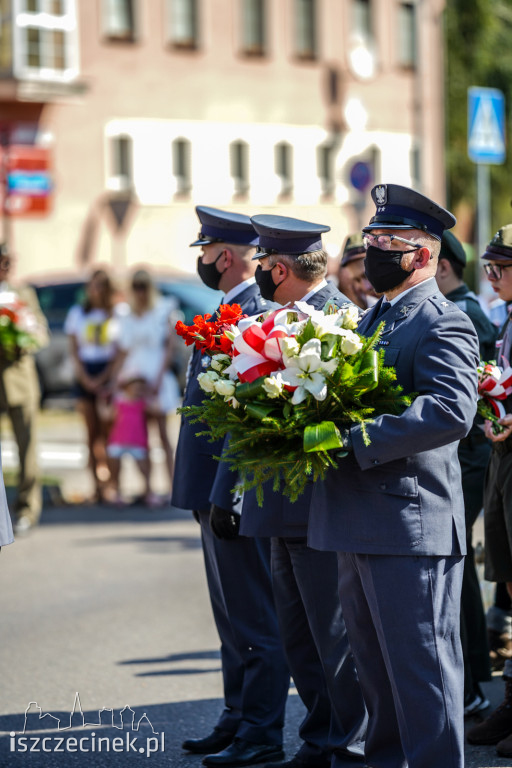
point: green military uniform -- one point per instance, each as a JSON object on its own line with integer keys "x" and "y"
{"x": 19, "y": 398}
{"x": 474, "y": 451}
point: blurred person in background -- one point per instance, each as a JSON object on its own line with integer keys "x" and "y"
{"x": 497, "y": 728}
{"x": 129, "y": 435}
{"x": 145, "y": 346}
{"x": 19, "y": 391}
{"x": 352, "y": 280}
{"x": 92, "y": 329}
{"x": 474, "y": 451}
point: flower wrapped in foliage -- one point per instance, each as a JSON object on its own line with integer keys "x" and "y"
{"x": 494, "y": 386}
{"x": 19, "y": 331}
{"x": 290, "y": 381}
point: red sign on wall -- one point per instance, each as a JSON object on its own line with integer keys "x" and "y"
{"x": 26, "y": 180}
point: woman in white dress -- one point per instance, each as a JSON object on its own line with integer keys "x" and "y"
{"x": 145, "y": 349}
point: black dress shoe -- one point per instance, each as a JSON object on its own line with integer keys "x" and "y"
{"x": 216, "y": 741}
{"x": 242, "y": 752}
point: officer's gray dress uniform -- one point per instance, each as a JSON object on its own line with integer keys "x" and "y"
{"x": 394, "y": 512}
{"x": 255, "y": 673}
{"x": 6, "y": 534}
{"x": 305, "y": 580}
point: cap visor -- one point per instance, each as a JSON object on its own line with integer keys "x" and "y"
{"x": 384, "y": 225}
{"x": 201, "y": 241}
{"x": 258, "y": 256}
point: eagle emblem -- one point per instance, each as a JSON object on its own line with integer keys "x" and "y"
{"x": 381, "y": 194}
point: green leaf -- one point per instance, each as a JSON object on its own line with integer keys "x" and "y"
{"x": 250, "y": 390}
{"x": 259, "y": 411}
{"x": 322, "y": 437}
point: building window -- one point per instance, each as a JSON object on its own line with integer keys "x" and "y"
{"x": 121, "y": 158}
{"x": 284, "y": 166}
{"x": 253, "y": 27}
{"x": 407, "y": 35}
{"x": 181, "y": 165}
{"x": 362, "y": 20}
{"x": 305, "y": 29}
{"x": 325, "y": 161}
{"x": 119, "y": 19}
{"x": 46, "y": 40}
{"x": 183, "y": 31}
{"x": 239, "y": 155}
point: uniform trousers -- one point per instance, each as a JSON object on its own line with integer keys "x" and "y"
{"x": 403, "y": 621}
{"x": 29, "y": 497}
{"x": 498, "y": 513}
{"x": 255, "y": 673}
{"x": 473, "y": 457}
{"x": 316, "y": 644}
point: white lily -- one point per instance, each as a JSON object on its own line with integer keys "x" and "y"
{"x": 306, "y": 371}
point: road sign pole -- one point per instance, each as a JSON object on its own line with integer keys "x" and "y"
{"x": 483, "y": 188}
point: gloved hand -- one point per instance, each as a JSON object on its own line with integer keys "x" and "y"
{"x": 224, "y": 524}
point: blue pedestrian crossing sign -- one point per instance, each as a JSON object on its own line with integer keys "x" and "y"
{"x": 486, "y": 125}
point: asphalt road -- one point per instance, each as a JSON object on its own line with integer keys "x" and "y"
{"x": 112, "y": 605}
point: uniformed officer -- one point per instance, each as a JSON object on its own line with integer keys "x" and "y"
{"x": 255, "y": 673}
{"x": 19, "y": 398}
{"x": 474, "y": 451}
{"x": 291, "y": 267}
{"x": 497, "y": 728}
{"x": 351, "y": 275}
{"x": 393, "y": 508}
{"x": 6, "y": 535}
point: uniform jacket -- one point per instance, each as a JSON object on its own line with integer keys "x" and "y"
{"x": 278, "y": 516}
{"x": 402, "y": 493}
{"x": 19, "y": 384}
{"x": 195, "y": 467}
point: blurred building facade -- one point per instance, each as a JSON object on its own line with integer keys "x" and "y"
{"x": 145, "y": 108}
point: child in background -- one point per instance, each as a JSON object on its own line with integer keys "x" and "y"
{"x": 129, "y": 435}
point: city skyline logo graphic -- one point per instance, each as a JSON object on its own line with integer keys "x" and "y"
{"x": 135, "y": 733}
{"x": 77, "y": 713}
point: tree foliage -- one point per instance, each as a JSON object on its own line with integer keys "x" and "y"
{"x": 478, "y": 53}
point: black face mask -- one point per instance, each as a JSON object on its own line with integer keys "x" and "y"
{"x": 209, "y": 273}
{"x": 383, "y": 268}
{"x": 265, "y": 282}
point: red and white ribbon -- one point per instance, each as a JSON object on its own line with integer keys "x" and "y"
{"x": 496, "y": 390}
{"x": 257, "y": 349}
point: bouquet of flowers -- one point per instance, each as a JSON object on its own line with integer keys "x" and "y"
{"x": 494, "y": 386}
{"x": 18, "y": 328}
{"x": 284, "y": 385}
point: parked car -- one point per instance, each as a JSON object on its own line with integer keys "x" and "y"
{"x": 54, "y": 364}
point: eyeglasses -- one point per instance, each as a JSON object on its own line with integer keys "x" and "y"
{"x": 495, "y": 271}
{"x": 384, "y": 241}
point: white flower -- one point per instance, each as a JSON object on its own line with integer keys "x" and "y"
{"x": 305, "y": 372}
{"x": 349, "y": 317}
{"x": 207, "y": 380}
{"x": 350, "y": 342}
{"x": 273, "y": 385}
{"x": 219, "y": 362}
{"x": 290, "y": 346}
{"x": 225, "y": 387}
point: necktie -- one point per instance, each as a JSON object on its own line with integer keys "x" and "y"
{"x": 382, "y": 310}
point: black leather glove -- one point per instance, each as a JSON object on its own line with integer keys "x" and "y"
{"x": 224, "y": 524}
